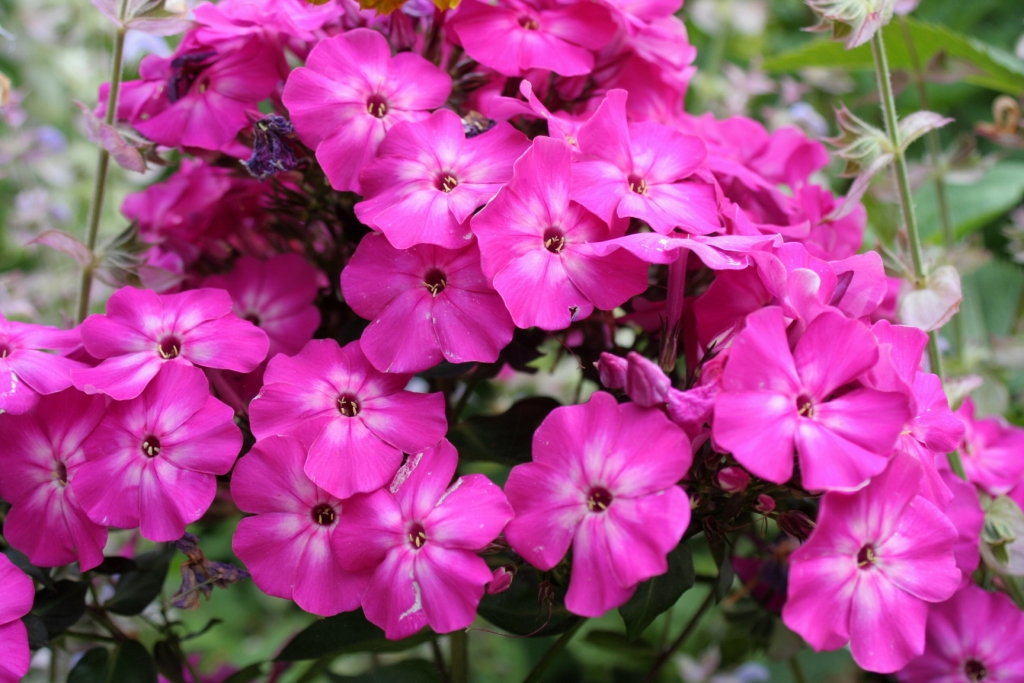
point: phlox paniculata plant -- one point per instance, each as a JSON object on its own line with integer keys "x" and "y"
{"x": 375, "y": 223}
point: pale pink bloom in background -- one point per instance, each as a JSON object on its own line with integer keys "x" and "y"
{"x": 536, "y": 246}
{"x": 420, "y": 537}
{"x": 870, "y": 568}
{"x": 15, "y": 602}
{"x": 426, "y": 304}
{"x": 974, "y": 636}
{"x": 774, "y": 400}
{"x": 351, "y": 92}
{"x": 518, "y": 35}
{"x": 286, "y": 545}
{"x": 152, "y": 462}
{"x": 603, "y": 479}
{"x": 354, "y": 420}
{"x": 429, "y": 179}
{"x": 143, "y": 331}
{"x": 41, "y": 452}
{"x": 26, "y": 371}
{"x": 277, "y": 295}
{"x": 991, "y": 451}
{"x": 642, "y": 170}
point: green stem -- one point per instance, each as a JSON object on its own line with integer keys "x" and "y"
{"x": 907, "y": 203}
{"x": 459, "y": 643}
{"x": 1013, "y": 587}
{"x": 442, "y": 671}
{"x": 553, "y": 652}
{"x": 99, "y": 186}
{"x": 797, "y": 670}
{"x": 678, "y": 642}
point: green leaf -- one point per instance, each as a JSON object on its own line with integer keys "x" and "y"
{"x": 409, "y": 671}
{"x": 169, "y": 661}
{"x": 654, "y": 596}
{"x": 506, "y": 439}
{"x": 246, "y": 675}
{"x": 991, "y": 67}
{"x": 132, "y": 664}
{"x": 610, "y": 641}
{"x": 972, "y": 207}
{"x": 93, "y": 667}
{"x": 344, "y": 633}
{"x": 21, "y": 561}
{"x": 518, "y": 611}
{"x": 59, "y": 609}
{"x": 136, "y": 589}
{"x": 38, "y": 636}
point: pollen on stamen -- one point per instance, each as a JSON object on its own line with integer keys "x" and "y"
{"x": 637, "y": 185}
{"x": 324, "y": 514}
{"x": 377, "y": 106}
{"x": 805, "y": 406}
{"x": 151, "y": 446}
{"x": 447, "y": 182}
{"x": 417, "y": 536}
{"x": 169, "y": 347}
{"x": 599, "y": 499}
{"x": 60, "y": 473}
{"x": 435, "y": 282}
{"x": 529, "y": 23}
{"x": 4, "y": 351}
{"x": 554, "y": 240}
{"x": 348, "y": 405}
{"x": 866, "y": 557}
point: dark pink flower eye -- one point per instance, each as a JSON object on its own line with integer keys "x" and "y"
{"x": 151, "y": 446}
{"x": 324, "y": 515}
{"x": 60, "y": 473}
{"x": 866, "y": 557}
{"x": 554, "y": 240}
{"x": 377, "y": 106}
{"x": 599, "y": 499}
{"x": 169, "y": 347}
{"x": 804, "y": 406}
{"x": 417, "y": 536}
{"x": 528, "y": 22}
{"x": 348, "y": 405}
{"x": 4, "y": 351}
{"x": 975, "y": 670}
{"x": 637, "y": 184}
{"x": 435, "y": 281}
{"x": 446, "y": 182}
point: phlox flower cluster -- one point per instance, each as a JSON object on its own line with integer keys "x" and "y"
{"x": 447, "y": 185}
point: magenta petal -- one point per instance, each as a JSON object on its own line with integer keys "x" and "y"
{"x": 14, "y": 653}
{"x": 871, "y": 419}
{"x": 471, "y": 325}
{"x": 607, "y": 281}
{"x": 321, "y": 585}
{"x": 228, "y": 343}
{"x": 122, "y": 377}
{"x": 16, "y": 396}
{"x": 593, "y": 589}
{"x": 273, "y": 412}
{"x": 470, "y": 514}
{"x": 641, "y": 531}
{"x": 423, "y": 479}
{"x": 19, "y": 592}
{"x": 541, "y": 271}
{"x": 209, "y": 441}
{"x": 347, "y": 458}
{"x": 394, "y": 598}
{"x": 274, "y": 464}
{"x": 451, "y": 583}
{"x": 108, "y": 488}
{"x": 758, "y": 428}
{"x": 878, "y": 641}
{"x": 833, "y": 351}
{"x": 653, "y": 454}
{"x": 818, "y": 602}
{"x": 173, "y": 498}
{"x": 402, "y": 337}
{"x": 759, "y": 359}
{"x": 370, "y": 526}
{"x": 576, "y": 440}
{"x": 606, "y": 134}
{"x": 44, "y": 372}
{"x": 829, "y": 461}
{"x": 270, "y": 545}
{"x": 599, "y": 185}
{"x": 548, "y": 510}
{"x": 406, "y": 420}
{"x": 918, "y": 557}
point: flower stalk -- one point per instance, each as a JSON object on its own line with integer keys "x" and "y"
{"x": 556, "y": 649}
{"x": 907, "y": 204}
{"x": 99, "y": 187}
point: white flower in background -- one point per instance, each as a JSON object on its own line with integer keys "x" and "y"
{"x": 745, "y": 17}
{"x": 705, "y": 669}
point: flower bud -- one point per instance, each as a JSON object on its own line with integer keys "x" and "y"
{"x": 1002, "y": 537}
{"x": 796, "y": 524}
{"x": 501, "y": 581}
{"x": 733, "y": 479}
{"x": 852, "y": 21}
{"x": 765, "y": 504}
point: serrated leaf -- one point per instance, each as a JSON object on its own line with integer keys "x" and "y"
{"x": 132, "y": 664}
{"x": 506, "y": 439}
{"x": 60, "y": 608}
{"x": 136, "y": 589}
{"x": 654, "y": 596}
{"x": 994, "y": 68}
{"x": 343, "y": 633}
{"x": 93, "y": 667}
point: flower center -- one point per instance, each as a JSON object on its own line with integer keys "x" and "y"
{"x": 637, "y": 184}
{"x": 446, "y": 182}
{"x": 184, "y": 72}
{"x": 377, "y": 106}
{"x": 253, "y": 318}
{"x": 60, "y": 473}
{"x": 866, "y": 557}
{"x": 151, "y": 446}
{"x": 804, "y": 406}
{"x": 528, "y": 22}
{"x": 599, "y": 499}
{"x": 348, "y": 405}
{"x": 435, "y": 282}
{"x": 975, "y": 670}
{"x": 324, "y": 515}
{"x": 417, "y": 536}
{"x": 169, "y": 347}
{"x": 4, "y": 351}
{"x": 554, "y": 240}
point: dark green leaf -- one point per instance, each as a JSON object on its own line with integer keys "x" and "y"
{"x": 654, "y": 596}
{"x": 344, "y": 633}
{"x": 518, "y": 611}
{"x": 93, "y": 667}
{"x": 138, "y": 588}
{"x": 59, "y": 609}
{"x": 972, "y": 207}
{"x": 132, "y": 664}
{"x": 506, "y": 439}
{"x": 167, "y": 655}
{"x": 409, "y": 671}
{"x": 987, "y": 66}
{"x": 616, "y": 642}
{"x": 115, "y": 565}
{"x": 22, "y": 562}
{"x": 38, "y": 636}
{"x": 246, "y": 675}
{"x": 210, "y": 624}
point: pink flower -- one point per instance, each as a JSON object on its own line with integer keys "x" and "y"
{"x": 41, "y": 452}
{"x": 642, "y": 170}
{"x": 520, "y": 35}
{"x": 974, "y": 636}
{"x": 351, "y": 92}
{"x": 536, "y": 246}
{"x": 152, "y": 461}
{"x": 426, "y": 304}
{"x": 144, "y": 331}
{"x": 733, "y": 479}
{"x": 870, "y": 568}
{"x": 354, "y": 420}
{"x": 429, "y": 179}
{"x": 964, "y": 511}
{"x": 25, "y": 370}
{"x": 287, "y": 544}
{"x": 774, "y": 399}
{"x": 420, "y": 537}
{"x": 199, "y": 96}
{"x": 15, "y": 602}
{"x": 991, "y": 451}
{"x": 277, "y": 296}
{"x": 603, "y": 478}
